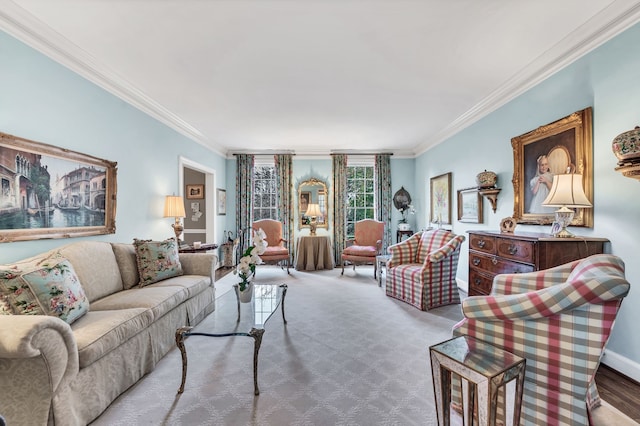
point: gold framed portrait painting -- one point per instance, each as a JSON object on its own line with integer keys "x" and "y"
{"x": 564, "y": 146}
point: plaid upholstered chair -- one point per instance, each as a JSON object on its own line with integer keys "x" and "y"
{"x": 366, "y": 245}
{"x": 422, "y": 269}
{"x": 558, "y": 319}
{"x": 277, "y": 249}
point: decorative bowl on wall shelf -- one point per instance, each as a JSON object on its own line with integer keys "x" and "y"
{"x": 486, "y": 179}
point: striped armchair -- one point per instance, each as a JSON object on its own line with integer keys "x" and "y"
{"x": 422, "y": 269}
{"x": 559, "y": 319}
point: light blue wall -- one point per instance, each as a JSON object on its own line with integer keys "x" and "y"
{"x": 608, "y": 80}
{"x": 45, "y": 102}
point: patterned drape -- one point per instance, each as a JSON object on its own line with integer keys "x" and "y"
{"x": 382, "y": 175}
{"x": 244, "y": 199}
{"x": 284, "y": 178}
{"x": 339, "y": 204}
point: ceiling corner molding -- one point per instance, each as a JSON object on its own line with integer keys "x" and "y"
{"x": 613, "y": 20}
{"x": 20, "y": 24}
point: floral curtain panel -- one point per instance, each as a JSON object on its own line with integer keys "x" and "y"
{"x": 339, "y": 204}
{"x": 244, "y": 199}
{"x": 284, "y": 177}
{"x": 382, "y": 175}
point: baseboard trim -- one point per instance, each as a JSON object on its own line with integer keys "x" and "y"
{"x": 622, "y": 364}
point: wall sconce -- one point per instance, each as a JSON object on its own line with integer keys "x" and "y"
{"x": 626, "y": 147}
{"x": 566, "y": 191}
{"x": 313, "y": 211}
{"x": 174, "y": 207}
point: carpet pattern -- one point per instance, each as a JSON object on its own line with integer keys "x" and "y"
{"x": 349, "y": 355}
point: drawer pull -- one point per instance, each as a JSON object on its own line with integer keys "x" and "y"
{"x": 513, "y": 249}
{"x": 477, "y": 281}
{"x": 481, "y": 243}
{"x": 476, "y": 261}
{"x": 494, "y": 261}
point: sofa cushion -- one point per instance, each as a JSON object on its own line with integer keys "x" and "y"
{"x": 127, "y": 263}
{"x": 157, "y": 260}
{"x": 99, "y": 332}
{"x": 158, "y": 299}
{"x": 58, "y": 290}
{"x": 96, "y": 266}
{"x": 194, "y": 284}
{"x": 363, "y": 251}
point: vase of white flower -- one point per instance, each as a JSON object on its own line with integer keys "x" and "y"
{"x": 246, "y": 269}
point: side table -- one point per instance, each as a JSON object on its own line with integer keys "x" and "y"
{"x": 203, "y": 247}
{"x": 314, "y": 252}
{"x": 485, "y": 367}
{"x": 400, "y": 234}
{"x": 382, "y": 260}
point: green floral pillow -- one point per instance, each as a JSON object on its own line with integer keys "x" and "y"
{"x": 157, "y": 260}
{"x": 58, "y": 291}
{"x": 45, "y": 286}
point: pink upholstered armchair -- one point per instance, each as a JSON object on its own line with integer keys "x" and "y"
{"x": 558, "y": 319}
{"x": 277, "y": 249}
{"x": 366, "y": 245}
{"x": 422, "y": 269}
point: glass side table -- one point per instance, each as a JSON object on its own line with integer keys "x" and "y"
{"x": 485, "y": 367}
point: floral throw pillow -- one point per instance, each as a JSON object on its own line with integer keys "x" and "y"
{"x": 58, "y": 291}
{"x": 157, "y": 260}
{"x": 46, "y": 286}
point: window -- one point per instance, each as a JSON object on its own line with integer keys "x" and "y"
{"x": 360, "y": 195}
{"x": 264, "y": 192}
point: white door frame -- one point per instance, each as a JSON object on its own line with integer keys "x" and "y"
{"x": 210, "y": 194}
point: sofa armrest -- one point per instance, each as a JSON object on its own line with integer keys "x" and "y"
{"x": 38, "y": 356}
{"x": 199, "y": 264}
{"x": 505, "y": 284}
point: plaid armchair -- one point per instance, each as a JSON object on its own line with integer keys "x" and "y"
{"x": 422, "y": 269}
{"x": 558, "y": 319}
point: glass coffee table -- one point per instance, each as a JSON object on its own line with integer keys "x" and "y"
{"x": 232, "y": 318}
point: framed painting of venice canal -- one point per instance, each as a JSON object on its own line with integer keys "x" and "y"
{"x": 50, "y": 192}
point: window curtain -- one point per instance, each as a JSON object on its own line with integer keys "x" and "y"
{"x": 244, "y": 200}
{"x": 339, "y": 204}
{"x": 382, "y": 176}
{"x": 284, "y": 179}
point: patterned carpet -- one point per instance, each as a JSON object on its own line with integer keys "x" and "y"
{"x": 349, "y": 355}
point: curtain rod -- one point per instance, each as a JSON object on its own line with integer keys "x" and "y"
{"x": 358, "y": 153}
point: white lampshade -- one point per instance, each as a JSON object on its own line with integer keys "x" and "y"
{"x": 174, "y": 206}
{"x": 313, "y": 210}
{"x": 566, "y": 191}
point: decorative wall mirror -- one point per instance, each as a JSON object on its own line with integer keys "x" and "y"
{"x": 313, "y": 191}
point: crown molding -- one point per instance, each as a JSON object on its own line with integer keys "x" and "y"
{"x": 613, "y": 20}
{"x": 25, "y": 27}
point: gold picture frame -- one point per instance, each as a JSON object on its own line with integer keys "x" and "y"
{"x": 49, "y": 192}
{"x": 565, "y": 144}
{"x": 440, "y": 196}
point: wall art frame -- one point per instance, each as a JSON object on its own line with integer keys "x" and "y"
{"x": 440, "y": 199}
{"x": 48, "y": 192}
{"x": 221, "y": 202}
{"x": 194, "y": 192}
{"x": 565, "y": 144}
{"x": 469, "y": 205}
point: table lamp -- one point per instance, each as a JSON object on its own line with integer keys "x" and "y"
{"x": 313, "y": 211}
{"x": 174, "y": 207}
{"x": 566, "y": 192}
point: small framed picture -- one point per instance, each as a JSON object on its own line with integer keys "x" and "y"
{"x": 221, "y": 202}
{"x": 469, "y": 205}
{"x": 195, "y": 191}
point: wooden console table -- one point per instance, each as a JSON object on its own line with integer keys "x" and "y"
{"x": 492, "y": 253}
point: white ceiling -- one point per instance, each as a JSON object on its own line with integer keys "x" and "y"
{"x": 316, "y": 76}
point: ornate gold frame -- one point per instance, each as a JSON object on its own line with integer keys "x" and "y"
{"x": 312, "y": 182}
{"x": 20, "y": 183}
{"x": 570, "y": 136}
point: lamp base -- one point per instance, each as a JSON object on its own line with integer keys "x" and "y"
{"x": 564, "y": 216}
{"x": 177, "y": 228}
{"x": 313, "y": 225}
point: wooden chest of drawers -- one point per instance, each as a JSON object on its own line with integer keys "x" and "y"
{"x": 492, "y": 253}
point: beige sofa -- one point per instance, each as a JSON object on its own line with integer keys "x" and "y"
{"x": 55, "y": 373}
